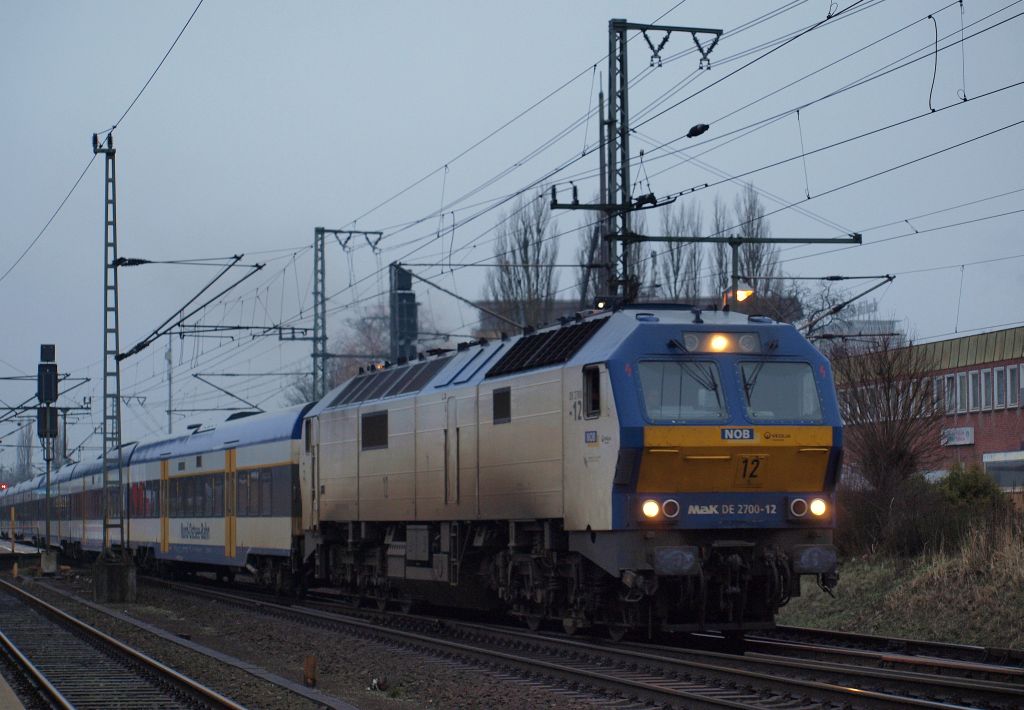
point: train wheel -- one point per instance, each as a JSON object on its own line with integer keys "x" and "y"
{"x": 616, "y": 632}
{"x": 533, "y": 621}
{"x": 570, "y": 624}
{"x": 382, "y": 603}
{"x": 406, "y": 604}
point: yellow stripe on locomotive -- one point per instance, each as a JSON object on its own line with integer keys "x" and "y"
{"x": 698, "y": 459}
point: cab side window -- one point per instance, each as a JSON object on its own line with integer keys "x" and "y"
{"x": 502, "y": 413}
{"x": 592, "y": 392}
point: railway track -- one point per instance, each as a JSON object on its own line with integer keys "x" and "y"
{"x": 665, "y": 675}
{"x": 897, "y": 649}
{"x": 69, "y": 664}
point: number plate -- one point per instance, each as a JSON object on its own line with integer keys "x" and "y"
{"x": 751, "y": 470}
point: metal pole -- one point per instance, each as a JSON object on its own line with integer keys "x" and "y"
{"x": 48, "y": 455}
{"x": 735, "y": 244}
{"x": 612, "y": 174}
{"x": 319, "y": 316}
{"x": 607, "y": 243}
{"x": 170, "y": 391}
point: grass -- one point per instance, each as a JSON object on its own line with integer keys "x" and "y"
{"x": 973, "y": 595}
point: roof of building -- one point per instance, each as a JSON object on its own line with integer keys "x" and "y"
{"x": 971, "y": 350}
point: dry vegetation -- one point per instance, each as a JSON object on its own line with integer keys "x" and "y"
{"x": 971, "y": 594}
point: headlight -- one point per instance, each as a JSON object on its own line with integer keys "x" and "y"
{"x": 651, "y": 508}
{"x": 721, "y": 342}
{"x": 818, "y": 507}
{"x": 718, "y": 342}
{"x": 798, "y": 507}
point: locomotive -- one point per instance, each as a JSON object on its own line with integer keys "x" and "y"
{"x": 652, "y": 467}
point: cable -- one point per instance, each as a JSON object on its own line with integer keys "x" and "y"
{"x": 52, "y": 217}
{"x": 93, "y": 158}
{"x": 164, "y": 59}
{"x": 750, "y": 63}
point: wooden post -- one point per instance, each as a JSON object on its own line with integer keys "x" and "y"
{"x": 309, "y": 672}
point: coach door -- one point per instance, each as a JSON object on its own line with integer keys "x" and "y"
{"x": 230, "y": 500}
{"x": 165, "y": 500}
{"x": 451, "y": 452}
{"x": 310, "y": 485}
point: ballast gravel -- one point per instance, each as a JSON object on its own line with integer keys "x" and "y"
{"x": 373, "y": 675}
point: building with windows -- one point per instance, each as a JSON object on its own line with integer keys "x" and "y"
{"x": 978, "y": 381}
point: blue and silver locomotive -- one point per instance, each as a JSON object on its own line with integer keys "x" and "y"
{"x": 652, "y": 467}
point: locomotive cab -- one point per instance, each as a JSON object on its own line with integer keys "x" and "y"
{"x": 723, "y": 490}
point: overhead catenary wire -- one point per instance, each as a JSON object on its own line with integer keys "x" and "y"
{"x": 93, "y": 158}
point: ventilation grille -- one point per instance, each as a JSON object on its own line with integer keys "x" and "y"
{"x": 550, "y": 347}
{"x": 390, "y": 382}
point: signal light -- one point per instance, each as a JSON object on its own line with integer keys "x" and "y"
{"x": 3, "y": 486}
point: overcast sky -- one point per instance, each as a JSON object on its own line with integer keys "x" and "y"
{"x": 269, "y": 119}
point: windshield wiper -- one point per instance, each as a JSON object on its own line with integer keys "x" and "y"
{"x": 749, "y": 384}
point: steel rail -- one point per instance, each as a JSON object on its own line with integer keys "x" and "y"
{"x": 647, "y": 684}
{"x": 166, "y": 673}
{"x": 957, "y": 668}
{"x": 1012, "y": 658}
{"x": 42, "y": 683}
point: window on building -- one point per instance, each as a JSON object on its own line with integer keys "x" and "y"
{"x": 961, "y": 392}
{"x": 592, "y": 392}
{"x": 375, "y": 430}
{"x": 938, "y": 399}
{"x": 986, "y": 389}
{"x": 502, "y": 405}
{"x": 999, "y": 387}
{"x": 1013, "y": 386}
{"x": 950, "y": 394}
{"x": 974, "y": 391}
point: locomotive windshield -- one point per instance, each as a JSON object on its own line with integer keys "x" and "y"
{"x": 681, "y": 390}
{"x": 780, "y": 390}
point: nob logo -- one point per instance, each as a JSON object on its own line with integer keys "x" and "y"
{"x": 738, "y": 434}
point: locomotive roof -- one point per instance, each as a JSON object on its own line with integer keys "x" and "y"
{"x": 589, "y": 337}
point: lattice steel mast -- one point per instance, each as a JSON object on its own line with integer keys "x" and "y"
{"x": 113, "y": 478}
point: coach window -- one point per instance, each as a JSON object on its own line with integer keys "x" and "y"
{"x": 266, "y": 492}
{"x": 254, "y": 493}
{"x": 309, "y": 435}
{"x": 592, "y": 392}
{"x": 218, "y": 495}
{"x": 375, "y": 430}
{"x": 502, "y": 405}
{"x": 242, "y": 500}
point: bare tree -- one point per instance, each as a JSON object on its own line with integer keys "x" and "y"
{"x": 26, "y": 447}
{"x": 891, "y": 414}
{"x": 589, "y": 252}
{"x": 638, "y": 262}
{"x": 366, "y": 335}
{"x": 681, "y": 262}
{"x": 522, "y": 284}
{"x": 759, "y": 260}
{"x": 364, "y": 338}
{"x": 720, "y": 277}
